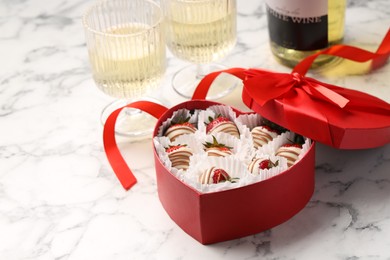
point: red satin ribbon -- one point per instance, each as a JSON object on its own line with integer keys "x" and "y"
{"x": 378, "y": 58}
{"x": 204, "y": 85}
{"x": 118, "y": 163}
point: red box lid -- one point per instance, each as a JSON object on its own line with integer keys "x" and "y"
{"x": 335, "y": 116}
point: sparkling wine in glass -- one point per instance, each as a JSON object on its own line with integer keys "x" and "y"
{"x": 201, "y": 32}
{"x": 126, "y": 49}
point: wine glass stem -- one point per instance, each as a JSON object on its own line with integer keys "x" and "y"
{"x": 200, "y": 71}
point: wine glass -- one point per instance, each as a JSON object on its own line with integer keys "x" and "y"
{"x": 126, "y": 47}
{"x": 200, "y": 32}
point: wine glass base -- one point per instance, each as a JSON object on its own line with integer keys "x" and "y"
{"x": 186, "y": 80}
{"x": 131, "y": 122}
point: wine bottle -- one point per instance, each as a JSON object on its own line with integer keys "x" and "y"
{"x": 299, "y": 28}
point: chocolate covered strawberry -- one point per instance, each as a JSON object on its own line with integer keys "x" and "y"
{"x": 221, "y": 124}
{"x": 217, "y": 149}
{"x": 179, "y": 155}
{"x": 215, "y": 175}
{"x": 258, "y": 164}
{"x": 267, "y": 164}
{"x": 179, "y": 127}
{"x": 263, "y": 134}
{"x": 290, "y": 151}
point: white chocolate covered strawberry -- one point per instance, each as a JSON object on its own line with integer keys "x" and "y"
{"x": 179, "y": 128}
{"x": 215, "y": 175}
{"x": 262, "y": 135}
{"x": 222, "y": 124}
{"x": 258, "y": 164}
{"x": 179, "y": 155}
{"x": 217, "y": 149}
{"x": 290, "y": 152}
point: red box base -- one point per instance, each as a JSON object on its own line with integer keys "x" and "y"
{"x": 230, "y": 214}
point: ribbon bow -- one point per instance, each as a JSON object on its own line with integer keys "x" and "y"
{"x": 276, "y": 85}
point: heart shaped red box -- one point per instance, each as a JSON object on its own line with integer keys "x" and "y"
{"x": 219, "y": 216}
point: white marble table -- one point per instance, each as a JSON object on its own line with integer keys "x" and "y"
{"x": 59, "y": 198}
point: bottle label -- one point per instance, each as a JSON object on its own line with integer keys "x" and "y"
{"x": 298, "y": 24}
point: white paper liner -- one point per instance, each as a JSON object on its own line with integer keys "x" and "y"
{"x": 162, "y": 142}
{"x": 243, "y": 151}
{"x": 272, "y": 146}
{"x": 213, "y": 111}
{"x": 305, "y": 148}
{"x": 192, "y": 141}
{"x": 181, "y": 113}
{"x": 233, "y": 167}
{"x": 250, "y": 120}
{"x": 268, "y": 173}
{"x": 282, "y": 139}
{"x": 159, "y": 144}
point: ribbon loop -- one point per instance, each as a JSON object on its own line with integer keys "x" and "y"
{"x": 114, "y": 156}
{"x": 325, "y": 93}
{"x": 270, "y": 85}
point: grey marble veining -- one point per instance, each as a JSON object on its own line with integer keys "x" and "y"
{"x": 59, "y": 198}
